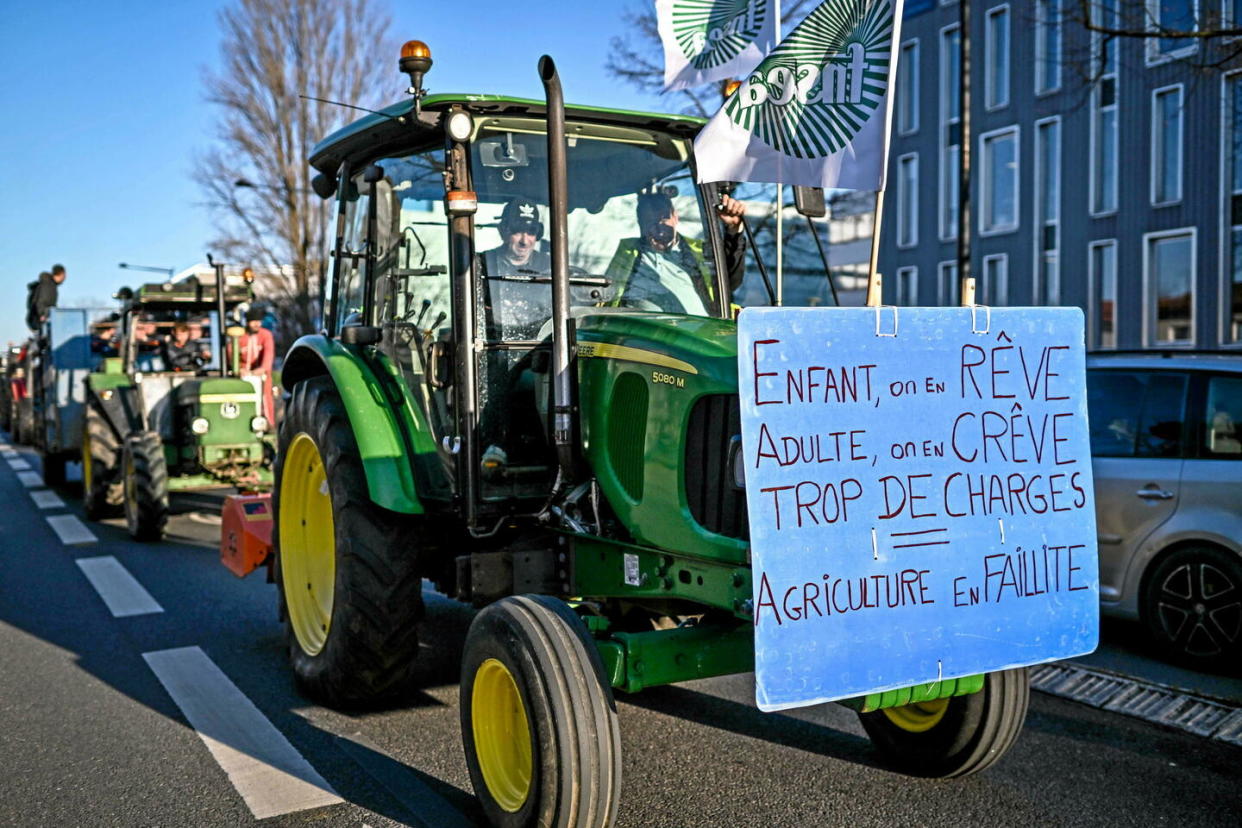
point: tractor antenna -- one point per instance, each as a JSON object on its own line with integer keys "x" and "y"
{"x": 398, "y": 118}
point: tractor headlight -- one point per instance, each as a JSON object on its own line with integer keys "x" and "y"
{"x": 258, "y": 424}
{"x": 200, "y": 425}
{"x": 460, "y": 126}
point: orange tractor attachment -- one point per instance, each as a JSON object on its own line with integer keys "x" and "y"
{"x": 246, "y": 533}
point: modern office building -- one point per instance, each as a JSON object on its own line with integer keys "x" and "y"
{"x": 1105, "y": 172}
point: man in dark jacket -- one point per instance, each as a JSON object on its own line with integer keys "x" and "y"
{"x": 43, "y": 296}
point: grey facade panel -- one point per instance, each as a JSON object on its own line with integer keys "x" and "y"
{"x": 1200, "y": 206}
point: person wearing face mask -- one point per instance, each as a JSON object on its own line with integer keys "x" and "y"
{"x": 666, "y": 271}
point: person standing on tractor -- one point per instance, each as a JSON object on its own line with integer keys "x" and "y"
{"x": 664, "y": 270}
{"x": 43, "y": 296}
{"x": 182, "y": 354}
{"x": 257, "y": 349}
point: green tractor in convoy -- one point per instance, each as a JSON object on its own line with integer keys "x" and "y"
{"x": 150, "y": 430}
{"x": 547, "y": 446}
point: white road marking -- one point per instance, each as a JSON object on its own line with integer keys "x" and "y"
{"x": 17, "y": 464}
{"x": 30, "y": 479}
{"x": 70, "y": 530}
{"x": 47, "y": 499}
{"x": 118, "y": 589}
{"x": 268, "y": 772}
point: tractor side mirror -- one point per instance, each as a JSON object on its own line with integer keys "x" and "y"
{"x": 809, "y": 201}
{"x": 360, "y": 335}
{"x": 324, "y": 186}
{"x": 440, "y": 365}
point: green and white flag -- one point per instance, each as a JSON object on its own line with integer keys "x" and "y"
{"x": 815, "y": 112}
{"x": 710, "y": 40}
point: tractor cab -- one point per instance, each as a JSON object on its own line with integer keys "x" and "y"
{"x": 443, "y": 263}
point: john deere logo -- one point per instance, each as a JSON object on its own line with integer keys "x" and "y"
{"x": 817, "y": 89}
{"x": 712, "y": 32}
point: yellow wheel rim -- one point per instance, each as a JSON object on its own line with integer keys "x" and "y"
{"x": 307, "y": 544}
{"x": 501, "y": 735}
{"x": 86, "y": 463}
{"x": 918, "y": 717}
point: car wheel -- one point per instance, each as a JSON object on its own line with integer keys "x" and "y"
{"x": 1192, "y": 606}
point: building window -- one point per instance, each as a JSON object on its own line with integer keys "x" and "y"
{"x": 1102, "y": 271}
{"x": 1104, "y": 110}
{"x": 1047, "y": 46}
{"x": 950, "y": 130}
{"x": 946, "y": 283}
{"x": 1168, "y": 287}
{"x": 1166, "y": 145}
{"x": 908, "y": 88}
{"x": 999, "y": 188}
{"x": 907, "y": 286}
{"x": 1048, "y": 211}
{"x": 996, "y": 57}
{"x": 1171, "y": 16}
{"x": 993, "y": 289}
{"x": 1231, "y": 150}
{"x": 908, "y": 200}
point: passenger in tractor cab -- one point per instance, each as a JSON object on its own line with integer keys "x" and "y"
{"x": 181, "y": 353}
{"x": 662, "y": 270}
{"x": 103, "y": 340}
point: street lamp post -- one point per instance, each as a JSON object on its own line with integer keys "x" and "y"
{"x": 170, "y": 271}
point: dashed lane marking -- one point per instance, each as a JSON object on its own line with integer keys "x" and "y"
{"x": 46, "y": 499}
{"x": 268, "y": 772}
{"x": 30, "y": 479}
{"x": 118, "y": 589}
{"x": 17, "y": 464}
{"x": 68, "y": 528}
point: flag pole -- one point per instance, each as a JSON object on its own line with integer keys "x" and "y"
{"x": 874, "y": 280}
{"x": 780, "y": 200}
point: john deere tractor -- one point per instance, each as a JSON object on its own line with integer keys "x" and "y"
{"x": 150, "y": 430}
{"x": 551, "y": 445}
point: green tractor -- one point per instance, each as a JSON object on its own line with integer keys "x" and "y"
{"x": 553, "y": 447}
{"x": 150, "y": 430}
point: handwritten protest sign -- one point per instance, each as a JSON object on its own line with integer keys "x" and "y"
{"x": 918, "y": 483}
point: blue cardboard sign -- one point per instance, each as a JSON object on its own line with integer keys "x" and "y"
{"x": 918, "y": 483}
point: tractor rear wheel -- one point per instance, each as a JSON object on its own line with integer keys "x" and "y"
{"x": 957, "y": 736}
{"x": 350, "y": 589}
{"x": 538, "y": 719}
{"x": 146, "y": 486}
{"x": 102, "y": 491}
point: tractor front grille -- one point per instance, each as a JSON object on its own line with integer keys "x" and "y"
{"x": 717, "y": 505}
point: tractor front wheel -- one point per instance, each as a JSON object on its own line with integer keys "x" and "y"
{"x": 102, "y": 491}
{"x": 145, "y": 485}
{"x": 538, "y": 719}
{"x": 351, "y": 593}
{"x": 957, "y": 736}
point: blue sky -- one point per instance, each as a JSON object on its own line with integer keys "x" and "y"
{"x": 104, "y": 113}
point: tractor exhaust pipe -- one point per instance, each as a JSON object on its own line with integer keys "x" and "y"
{"x": 564, "y": 365}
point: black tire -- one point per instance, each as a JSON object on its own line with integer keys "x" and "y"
{"x": 53, "y": 468}
{"x": 370, "y": 636}
{"x": 146, "y": 486}
{"x": 972, "y": 734}
{"x": 1192, "y": 606}
{"x": 103, "y": 493}
{"x": 567, "y": 772}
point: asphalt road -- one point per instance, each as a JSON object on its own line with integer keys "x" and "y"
{"x": 95, "y": 728}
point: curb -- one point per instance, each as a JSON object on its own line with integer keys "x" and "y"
{"x": 1150, "y": 702}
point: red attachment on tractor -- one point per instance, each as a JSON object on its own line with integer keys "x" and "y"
{"x": 246, "y": 532}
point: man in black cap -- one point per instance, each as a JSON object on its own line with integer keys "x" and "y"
{"x": 520, "y": 232}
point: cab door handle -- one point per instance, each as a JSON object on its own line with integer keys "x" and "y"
{"x": 1155, "y": 494}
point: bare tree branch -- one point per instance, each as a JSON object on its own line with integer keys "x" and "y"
{"x": 255, "y": 176}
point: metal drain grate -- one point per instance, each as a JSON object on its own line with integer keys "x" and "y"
{"x": 1143, "y": 700}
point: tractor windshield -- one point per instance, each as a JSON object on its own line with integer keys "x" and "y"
{"x": 636, "y": 235}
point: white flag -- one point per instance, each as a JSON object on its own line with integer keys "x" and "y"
{"x": 815, "y": 112}
{"x": 711, "y": 40}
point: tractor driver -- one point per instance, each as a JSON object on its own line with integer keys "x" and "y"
{"x": 516, "y": 306}
{"x": 665, "y": 271}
